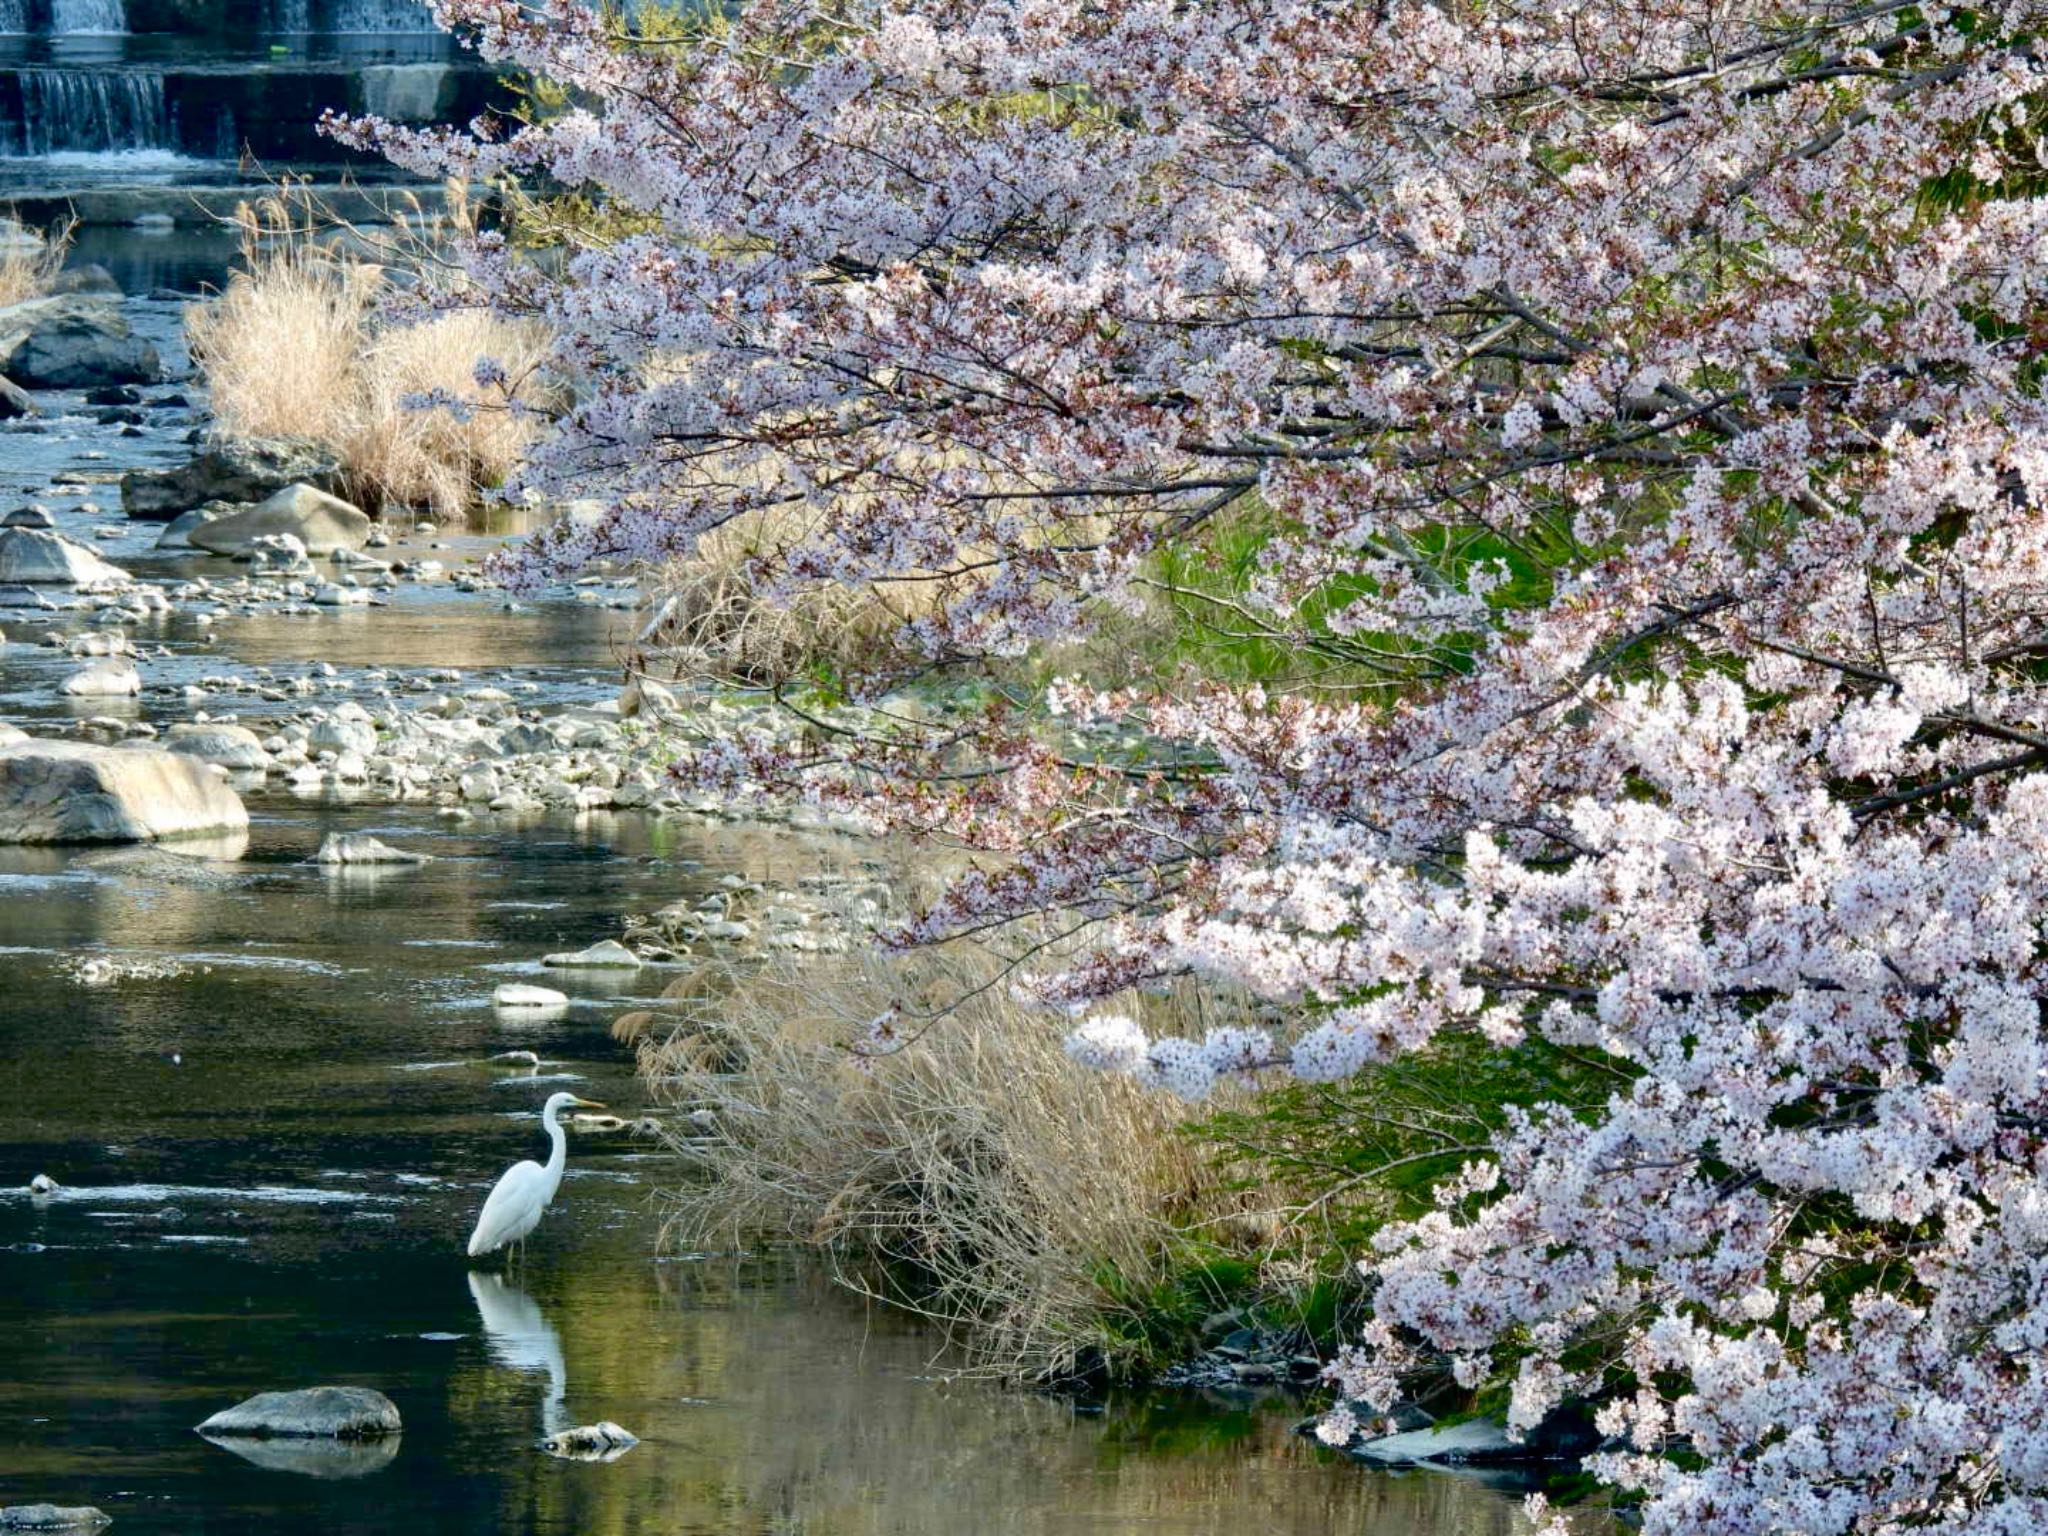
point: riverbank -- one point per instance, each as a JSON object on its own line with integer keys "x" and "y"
{"x": 433, "y": 714}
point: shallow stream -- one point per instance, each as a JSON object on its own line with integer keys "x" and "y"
{"x": 268, "y": 1095}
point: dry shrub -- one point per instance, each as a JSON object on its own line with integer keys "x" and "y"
{"x": 29, "y": 264}
{"x": 713, "y": 616}
{"x": 976, "y": 1175}
{"x": 305, "y": 343}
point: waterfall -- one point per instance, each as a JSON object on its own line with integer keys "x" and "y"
{"x": 289, "y": 16}
{"x": 92, "y": 110}
{"x": 88, "y": 16}
{"x": 382, "y": 16}
{"x": 13, "y": 17}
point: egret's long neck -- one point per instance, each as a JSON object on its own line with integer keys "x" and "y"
{"x": 558, "y": 1157}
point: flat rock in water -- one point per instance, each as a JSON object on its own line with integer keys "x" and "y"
{"x": 52, "y": 1517}
{"x": 602, "y": 1441}
{"x": 110, "y": 679}
{"x": 33, "y": 556}
{"x": 1473, "y": 1440}
{"x": 605, "y": 955}
{"x": 517, "y": 994}
{"x": 361, "y": 848}
{"x": 321, "y": 522}
{"x": 231, "y": 746}
{"x": 78, "y": 792}
{"x": 334, "y": 1413}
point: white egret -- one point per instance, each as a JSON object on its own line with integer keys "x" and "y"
{"x": 523, "y": 1192}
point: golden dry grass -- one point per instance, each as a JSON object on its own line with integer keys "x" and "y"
{"x": 26, "y": 268}
{"x": 300, "y": 345}
{"x": 976, "y": 1175}
{"x": 717, "y": 620}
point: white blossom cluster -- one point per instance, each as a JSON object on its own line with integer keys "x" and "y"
{"x": 1645, "y": 405}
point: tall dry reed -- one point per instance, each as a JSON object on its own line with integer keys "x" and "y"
{"x": 305, "y": 343}
{"x": 28, "y": 264}
{"x": 976, "y": 1175}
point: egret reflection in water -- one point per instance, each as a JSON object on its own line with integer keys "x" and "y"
{"x": 519, "y": 1336}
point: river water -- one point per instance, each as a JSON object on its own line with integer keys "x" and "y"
{"x": 268, "y": 1095}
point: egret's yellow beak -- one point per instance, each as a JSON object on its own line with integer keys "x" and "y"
{"x": 588, "y": 1104}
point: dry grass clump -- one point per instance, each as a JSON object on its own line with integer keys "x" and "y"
{"x": 303, "y": 344}
{"x": 29, "y": 262}
{"x": 714, "y": 618}
{"x": 976, "y": 1175}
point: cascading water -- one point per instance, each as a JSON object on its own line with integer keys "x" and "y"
{"x": 381, "y": 16}
{"x": 72, "y": 110}
{"x": 13, "y": 18}
{"x": 88, "y": 16}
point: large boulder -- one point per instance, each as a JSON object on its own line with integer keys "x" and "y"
{"x": 334, "y": 1413}
{"x": 238, "y": 471}
{"x": 321, "y": 522}
{"x": 31, "y": 556}
{"x": 76, "y": 792}
{"x": 73, "y": 341}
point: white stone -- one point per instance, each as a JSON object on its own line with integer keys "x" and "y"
{"x": 606, "y": 954}
{"x": 29, "y": 555}
{"x": 361, "y": 848}
{"x": 231, "y": 746}
{"x": 109, "y": 679}
{"x": 1475, "y": 1439}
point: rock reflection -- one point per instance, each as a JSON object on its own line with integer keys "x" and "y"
{"x": 519, "y": 1335}
{"x": 313, "y": 1458}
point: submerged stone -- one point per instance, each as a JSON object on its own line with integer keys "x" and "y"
{"x": 518, "y": 994}
{"x": 361, "y": 848}
{"x": 606, "y": 955}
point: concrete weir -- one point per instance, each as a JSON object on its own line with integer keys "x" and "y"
{"x": 183, "y": 94}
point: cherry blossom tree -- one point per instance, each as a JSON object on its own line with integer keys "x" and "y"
{"x": 1637, "y": 403}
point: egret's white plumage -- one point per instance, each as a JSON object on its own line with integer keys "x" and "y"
{"x": 522, "y": 1193}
